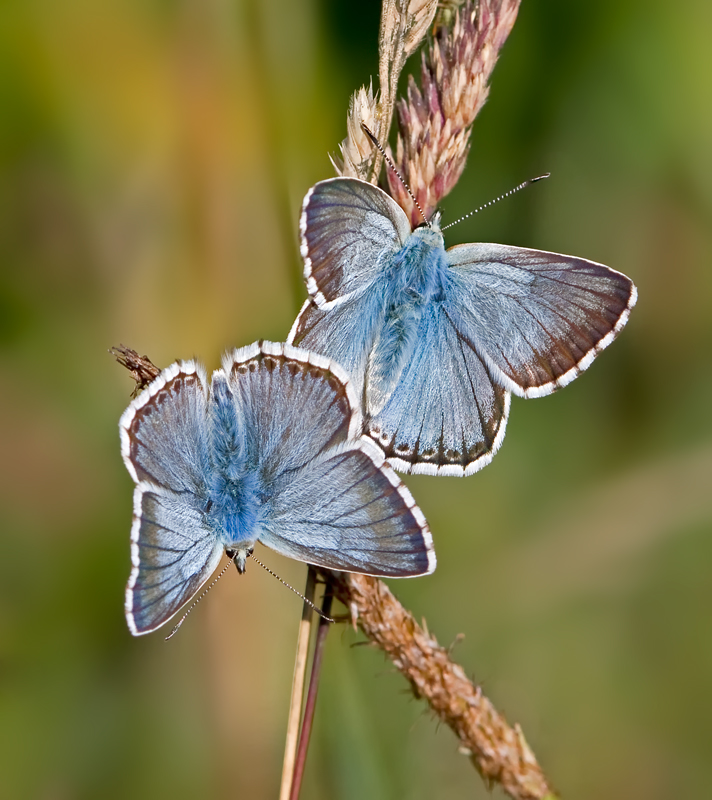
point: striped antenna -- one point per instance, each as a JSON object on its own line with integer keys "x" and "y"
{"x": 296, "y": 591}
{"x": 202, "y": 595}
{"x": 372, "y": 137}
{"x": 497, "y": 199}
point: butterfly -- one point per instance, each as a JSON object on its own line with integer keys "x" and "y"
{"x": 268, "y": 451}
{"x": 434, "y": 340}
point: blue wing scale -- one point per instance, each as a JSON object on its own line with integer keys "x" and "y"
{"x": 446, "y": 415}
{"x": 350, "y": 511}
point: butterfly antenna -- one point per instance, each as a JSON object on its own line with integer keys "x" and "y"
{"x": 296, "y": 591}
{"x": 202, "y": 595}
{"x": 497, "y": 199}
{"x": 385, "y": 155}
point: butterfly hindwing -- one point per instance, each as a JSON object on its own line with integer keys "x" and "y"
{"x": 446, "y": 415}
{"x": 173, "y": 553}
{"x": 349, "y": 228}
{"x": 345, "y": 332}
{"x": 537, "y": 318}
{"x": 350, "y": 511}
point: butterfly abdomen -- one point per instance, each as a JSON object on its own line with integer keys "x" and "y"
{"x": 227, "y": 437}
{"x": 418, "y": 272}
{"x": 391, "y": 351}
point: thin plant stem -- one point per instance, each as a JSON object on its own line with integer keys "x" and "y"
{"x": 310, "y": 705}
{"x": 298, "y": 682}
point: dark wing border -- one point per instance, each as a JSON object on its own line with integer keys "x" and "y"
{"x": 583, "y": 363}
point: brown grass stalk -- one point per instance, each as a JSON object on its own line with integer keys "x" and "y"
{"x": 498, "y": 750}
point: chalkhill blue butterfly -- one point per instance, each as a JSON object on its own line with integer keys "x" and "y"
{"x": 435, "y": 340}
{"x": 270, "y": 450}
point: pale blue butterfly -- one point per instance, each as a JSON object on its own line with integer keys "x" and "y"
{"x": 435, "y": 340}
{"x": 270, "y": 451}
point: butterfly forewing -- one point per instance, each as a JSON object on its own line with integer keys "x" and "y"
{"x": 538, "y": 318}
{"x": 293, "y": 405}
{"x": 349, "y": 229}
{"x": 164, "y": 432}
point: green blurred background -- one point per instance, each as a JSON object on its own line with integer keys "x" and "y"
{"x": 154, "y": 154}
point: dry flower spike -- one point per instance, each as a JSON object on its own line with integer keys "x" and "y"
{"x": 404, "y": 24}
{"x": 357, "y": 151}
{"x": 435, "y": 121}
{"x": 142, "y": 369}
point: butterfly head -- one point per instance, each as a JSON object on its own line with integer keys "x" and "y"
{"x": 433, "y": 223}
{"x": 429, "y": 233}
{"x": 239, "y": 557}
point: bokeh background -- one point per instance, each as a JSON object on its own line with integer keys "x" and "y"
{"x": 154, "y": 154}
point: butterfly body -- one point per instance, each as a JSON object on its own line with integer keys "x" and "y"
{"x": 415, "y": 278}
{"x": 268, "y": 451}
{"x": 236, "y": 491}
{"x": 435, "y": 340}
